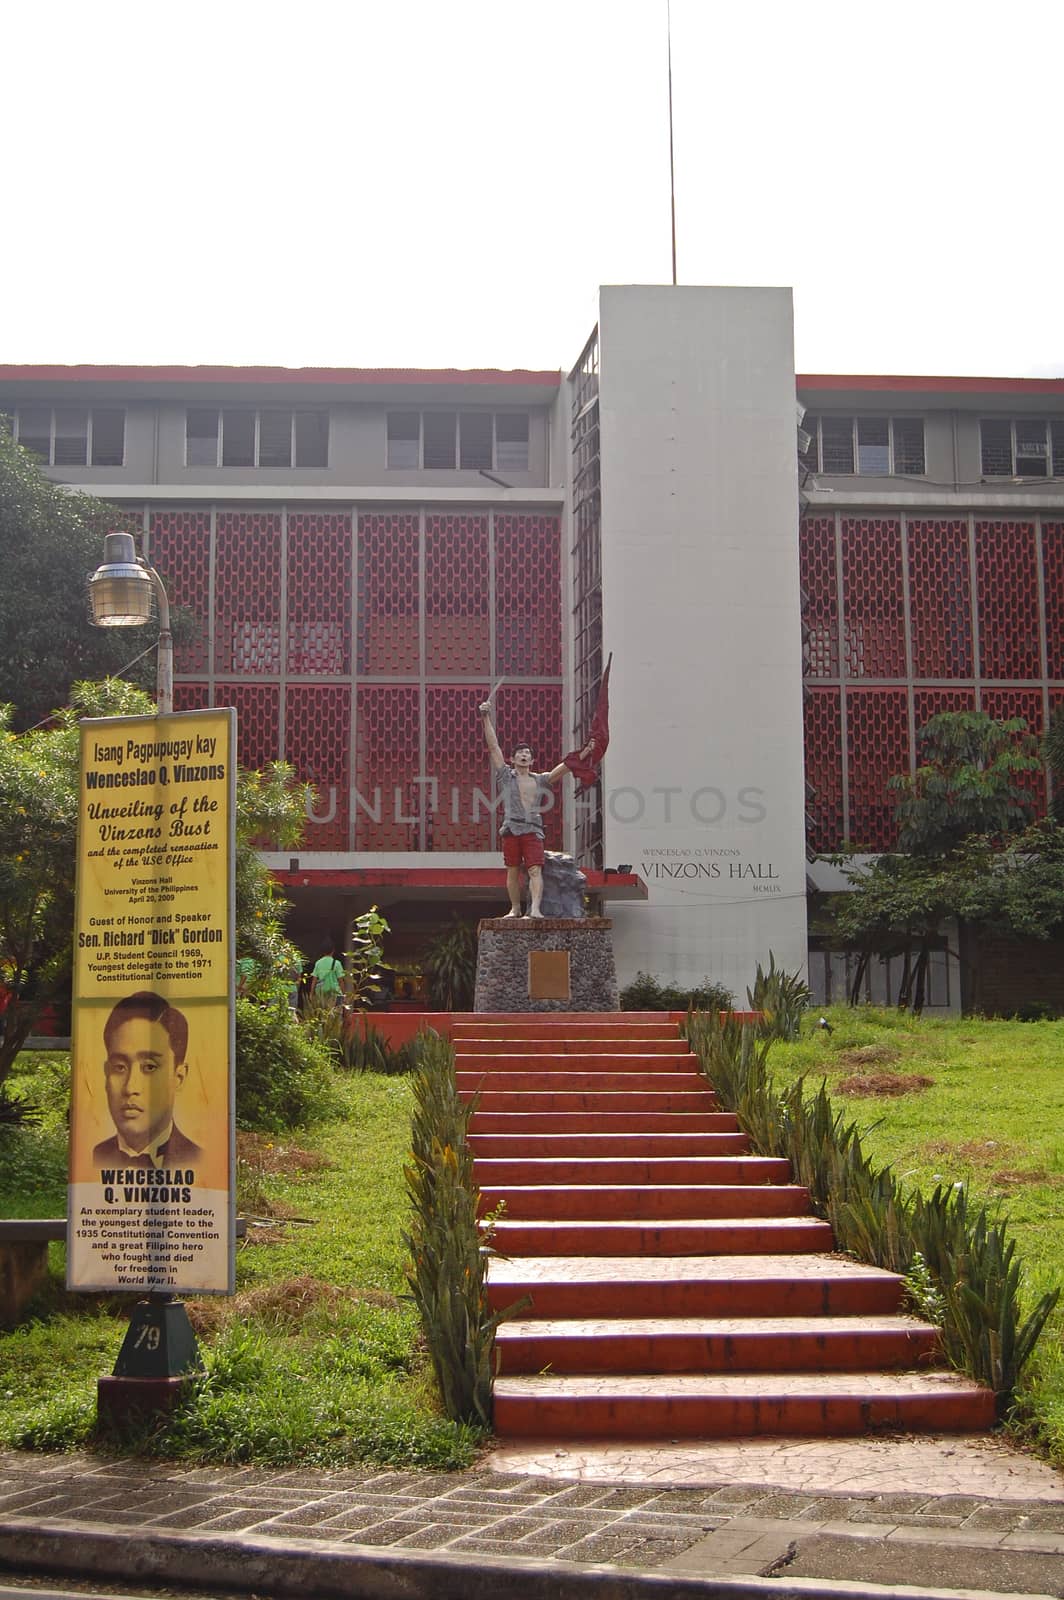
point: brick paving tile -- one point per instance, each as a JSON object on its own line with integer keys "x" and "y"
{"x": 1026, "y": 1540}
{"x": 313, "y": 1512}
{"x": 381, "y": 1533}
{"x": 230, "y": 1477}
{"x": 231, "y": 1521}
{"x": 625, "y": 1496}
{"x": 519, "y": 1527}
{"x": 581, "y": 1494}
{"x": 953, "y": 1505}
{"x": 486, "y": 1495}
{"x": 608, "y": 1546}
{"x": 733, "y": 1494}
{"x": 429, "y": 1537}
{"x": 903, "y": 1504}
{"x": 457, "y": 1520}
{"x": 394, "y": 1483}
{"x": 199, "y": 1516}
{"x": 37, "y": 1499}
{"x": 1049, "y": 1517}
{"x": 513, "y": 1498}
{"x": 369, "y": 1517}
{"x": 690, "y": 1522}
{"x": 990, "y": 1516}
{"x": 543, "y": 1544}
{"x": 699, "y": 1499}
{"x": 315, "y": 1481}
{"x": 324, "y": 1531}
{"x": 652, "y": 1552}
{"x": 789, "y": 1506}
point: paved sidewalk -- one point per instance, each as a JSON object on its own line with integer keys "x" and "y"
{"x": 470, "y": 1533}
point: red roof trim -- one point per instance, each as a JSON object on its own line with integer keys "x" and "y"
{"x": 265, "y": 375}
{"x": 904, "y": 385}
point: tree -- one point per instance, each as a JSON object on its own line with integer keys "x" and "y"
{"x": 968, "y": 782}
{"x": 51, "y": 539}
{"x": 38, "y": 832}
{"x": 960, "y": 818}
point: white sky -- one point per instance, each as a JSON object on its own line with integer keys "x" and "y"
{"x": 424, "y": 183}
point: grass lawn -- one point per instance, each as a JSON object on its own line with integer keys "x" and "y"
{"x": 317, "y": 1358}
{"x": 990, "y": 1116}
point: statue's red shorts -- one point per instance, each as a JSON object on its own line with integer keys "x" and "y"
{"x": 522, "y": 849}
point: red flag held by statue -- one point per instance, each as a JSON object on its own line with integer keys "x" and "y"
{"x": 584, "y": 764}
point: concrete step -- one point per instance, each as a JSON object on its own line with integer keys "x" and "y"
{"x": 716, "y": 1344}
{"x": 509, "y": 1142}
{"x": 521, "y": 1103}
{"x": 679, "y": 1236}
{"x": 546, "y": 1029}
{"x": 583, "y": 1083}
{"x": 601, "y": 1201}
{"x": 553, "y": 1045}
{"x": 677, "y": 1405}
{"x": 693, "y": 1286}
{"x": 602, "y": 1121}
{"x": 562, "y": 1020}
{"x": 638, "y": 1170}
{"x": 558, "y": 1063}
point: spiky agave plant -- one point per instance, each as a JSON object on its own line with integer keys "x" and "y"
{"x": 448, "y": 1247}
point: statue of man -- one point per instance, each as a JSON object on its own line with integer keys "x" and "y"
{"x": 525, "y": 796}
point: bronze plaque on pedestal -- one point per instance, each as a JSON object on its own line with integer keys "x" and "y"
{"x": 548, "y": 975}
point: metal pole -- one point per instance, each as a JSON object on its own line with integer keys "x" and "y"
{"x": 164, "y": 676}
{"x": 672, "y": 165}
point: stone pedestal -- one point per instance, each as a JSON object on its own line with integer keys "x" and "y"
{"x": 543, "y": 964}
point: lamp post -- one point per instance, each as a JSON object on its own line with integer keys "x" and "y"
{"x": 159, "y": 1350}
{"x": 121, "y": 593}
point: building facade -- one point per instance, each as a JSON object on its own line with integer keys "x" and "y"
{"x": 366, "y": 554}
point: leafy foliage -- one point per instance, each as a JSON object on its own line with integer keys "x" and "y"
{"x": 961, "y": 819}
{"x": 282, "y": 1074}
{"x": 448, "y": 1248}
{"x": 780, "y": 997}
{"x": 968, "y": 781}
{"x": 450, "y": 964}
{"x": 646, "y": 993}
{"x": 50, "y": 541}
{"x": 961, "y": 1258}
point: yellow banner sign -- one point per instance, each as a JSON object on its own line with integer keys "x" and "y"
{"x": 151, "y": 1146}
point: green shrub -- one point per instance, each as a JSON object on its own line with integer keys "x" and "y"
{"x": 448, "y": 1248}
{"x": 957, "y": 1257}
{"x": 282, "y": 1074}
{"x": 780, "y": 997}
{"x": 352, "y": 1043}
{"x": 646, "y": 993}
{"x": 450, "y": 964}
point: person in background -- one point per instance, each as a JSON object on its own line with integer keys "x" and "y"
{"x": 326, "y": 980}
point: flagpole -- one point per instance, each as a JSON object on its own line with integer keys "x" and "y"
{"x": 672, "y": 165}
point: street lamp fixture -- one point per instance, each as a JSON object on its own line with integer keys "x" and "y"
{"x": 121, "y": 592}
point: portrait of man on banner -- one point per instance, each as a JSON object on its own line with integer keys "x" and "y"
{"x": 151, "y": 1088}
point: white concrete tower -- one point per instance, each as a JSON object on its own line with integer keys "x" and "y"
{"x": 704, "y": 780}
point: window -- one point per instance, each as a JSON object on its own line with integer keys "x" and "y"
{"x": 1025, "y": 447}
{"x": 878, "y": 447}
{"x": 511, "y": 441}
{"x": 404, "y": 438}
{"x": 72, "y": 436}
{"x": 475, "y": 441}
{"x": 239, "y": 437}
{"x": 438, "y": 430}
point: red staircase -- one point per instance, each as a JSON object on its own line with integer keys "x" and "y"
{"x": 679, "y": 1285}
